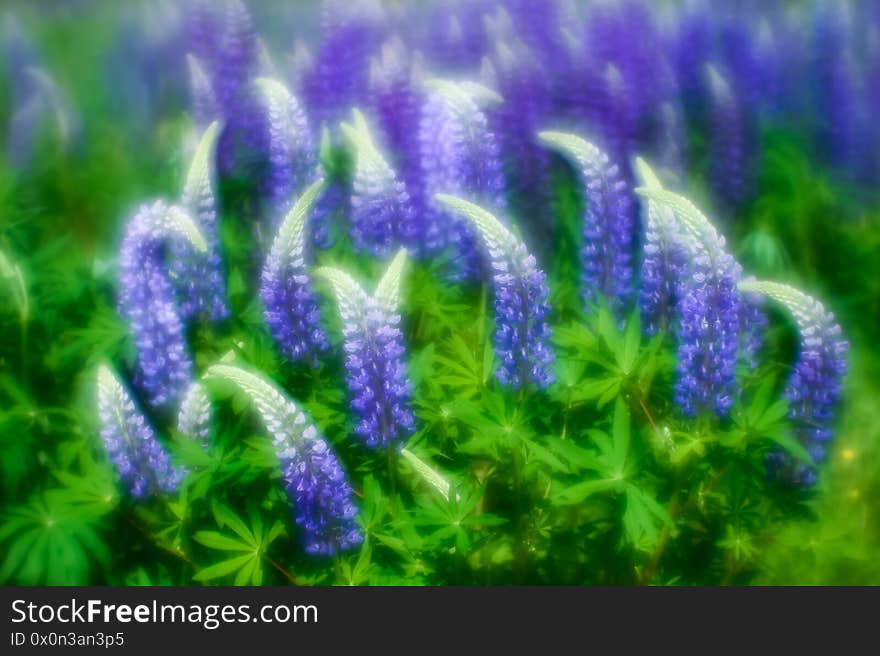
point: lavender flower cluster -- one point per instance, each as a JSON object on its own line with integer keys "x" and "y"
{"x": 447, "y": 155}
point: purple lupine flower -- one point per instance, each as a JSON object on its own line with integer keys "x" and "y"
{"x": 338, "y": 79}
{"x": 708, "y": 310}
{"x": 315, "y": 482}
{"x": 526, "y": 90}
{"x": 233, "y": 66}
{"x": 332, "y": 208}
{"x": 815, "y": 384}
{"x": 615, "y": 118}
{"x": 522, "y": 334}
{"x": 460, "y": 156}
{"x": 753, "y": 324}
{"x": 292, "y": 158}
{"x": 148, "y": 302}
{"x": 198, "y": 276}
{"x": 397, "y": 98}
{"x": 291, "y": 309}
{"x": 608, "y": 229}
{"x": 672, "y": 149}
{"x": 202, "y": 99}
{"x": 374, "y": 356}
{"x": 194, "y": 415}
{"x": 143, "y": 465}
{"x": 610, "y": 47}
{"x": 382, "y": 216}
{"x": 729, "y": 148}
{"x": 663, "y": 262}
{"x": 835, "y": 96}
{"x": 36, "y": 101}
{"x": 456, "y": 39}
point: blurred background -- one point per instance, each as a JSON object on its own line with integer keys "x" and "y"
{"x": 764, "y": 111}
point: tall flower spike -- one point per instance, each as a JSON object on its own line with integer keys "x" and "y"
{"x": 663, "y": 260}
{"x": 374, "y": 351}
{"x": 142, "y": 464}
{"x": 316, "y": 484}
{"x": 609, "y": 226}
{"x": 291, "y": 309}
{"x": 522, "y": 334}
{"x": 526, "y": 89}
{"x": 292, "y": 160}
{"x": 194, "y": 416}
{"x": 709, "y": 308}
{"x": 147, "y": 301}
{"x": 204, "y": 103}
{"x": 381, "y": 211}
{"x": 815, "y": 384}
{"x": 396, "y": 97}
{"x": 728, "y": 168}
{"x": 198, "y": 276}
{"x": 460, "y": 156}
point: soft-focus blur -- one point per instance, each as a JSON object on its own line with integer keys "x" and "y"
{"x": 762, "y": 113}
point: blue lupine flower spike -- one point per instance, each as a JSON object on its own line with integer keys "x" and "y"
{"x": 291, "y": 308}
{"x": 149, "y": 304}
{"x": 316, "y": 484}
{"x": 382, "y": 215}
{"x": 142, "y": 464}
{"x": 194, "y": 416}
{"x": 609, "y": 226}
{"x": 292, "y": 154}
{"x": 815, "y": 384}
{"x": 199, "y": 276}
{"x": 663, "y": 261}
{"x": 709, "y": 307}
{"x": 374, "y": 355}
{"x": 522, "y": 334}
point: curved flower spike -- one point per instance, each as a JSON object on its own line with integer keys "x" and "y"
{"x": 147, "y": 301}
{"x": 141, "y": 462}
{"x": 664, "y": 258}
{"x": 315, "y": 481}
{"x": 381, "y": 210}
{"x": 292, "y": 160}
{"x": 204, "y": 102}
{"x": 709, "y": 308}
{"x": 815, "y": 384}
{"x": 374, "y": 351}
{"x": 199, "y": 277}
{"x": 522, "y": 334}
{"x": 194, "y": 416}
{"x": 460, "y": 155}
{"x": 609, "y": 225}
{"x": 291, "y": 309}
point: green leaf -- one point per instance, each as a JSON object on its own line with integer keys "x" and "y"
{"x": 620, "y": 434}
{"x": 215, "y": 540}
{"x": 581, "y": 491}
{"x": 223, "y": 568}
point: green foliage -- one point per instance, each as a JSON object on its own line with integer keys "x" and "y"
{"x": 598, "y": 480}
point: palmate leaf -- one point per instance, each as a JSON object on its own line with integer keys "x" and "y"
{"x": 50, "y": 541}
{"x": 248, "y": 541}
{"x": 643, "y": 519}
